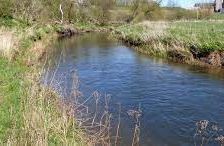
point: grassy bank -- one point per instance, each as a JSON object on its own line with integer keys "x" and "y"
{"x": 31, "y": 114}
{"x": 183, "y": 41}
{"x": 11, "y": 91}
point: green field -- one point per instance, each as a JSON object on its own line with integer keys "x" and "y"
{"x": 206, "y": 36}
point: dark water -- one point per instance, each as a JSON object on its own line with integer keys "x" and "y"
{"x": 172, "y": 96}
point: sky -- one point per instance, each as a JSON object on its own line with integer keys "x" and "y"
{"x": 185, "y": 3}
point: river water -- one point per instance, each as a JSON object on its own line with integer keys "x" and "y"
{"x": 172, "y": 97}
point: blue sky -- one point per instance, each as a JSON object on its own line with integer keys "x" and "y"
{"x": 185, "y": 3}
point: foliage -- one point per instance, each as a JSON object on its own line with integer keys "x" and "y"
{"x": 48, "y": 10}
{"x": 144, "y": 9}
{"x": 96, "y": 11}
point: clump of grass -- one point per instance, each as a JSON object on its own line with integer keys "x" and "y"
{"x": 85, "y": 26}
{"x": 144, "y": 32}
{"x": 131, "y": 33}
{"x": 9, "y": 22}
{"x": 95, "y": 123}
{"x": 7, "y": 43}
{"x": 16, "y": 42}
{"x": 46, "y": 121}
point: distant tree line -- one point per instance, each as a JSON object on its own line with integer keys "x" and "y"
{"x": 55, "y": 10}
{"x": 94, "y": 11}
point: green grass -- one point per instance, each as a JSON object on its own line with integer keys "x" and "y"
{"x": 216, "y": 16}
{"x": 11, "y": 91}
{"x": 204, "y": 35}
{"x": 13, "y": 23}
{"x": 85, "y": 26}
{"x": 131, "y": 33}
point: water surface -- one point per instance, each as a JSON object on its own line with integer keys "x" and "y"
{"x": 172, "y": 96}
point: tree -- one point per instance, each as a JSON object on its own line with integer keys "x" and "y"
{"x": 101, "y": 10}
{"x": 149, "y": 9}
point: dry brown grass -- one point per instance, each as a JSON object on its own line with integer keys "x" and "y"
{"x": 154, "y": 29}
{"x": 8, "y": 43}
{"x": 46, "y": 119}
{"x": 50, "y": 119}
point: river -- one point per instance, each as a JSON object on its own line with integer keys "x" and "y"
{"x": 172, "y": 97}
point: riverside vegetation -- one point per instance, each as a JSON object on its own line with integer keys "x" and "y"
{"x": 185, "y": 41}
{"x": 35, "y": 115}
{"x": 30, "y": 114}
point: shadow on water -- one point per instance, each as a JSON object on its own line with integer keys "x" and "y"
{"x": 173, "y": 97}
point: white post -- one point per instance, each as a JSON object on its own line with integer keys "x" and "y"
{"x": 62, "y": 14}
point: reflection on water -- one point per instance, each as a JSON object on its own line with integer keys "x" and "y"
{"x": 172, "y": 96}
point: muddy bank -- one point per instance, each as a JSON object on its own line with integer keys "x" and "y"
{"x": 70, "y": 30}
{"x": 215, "y": 58}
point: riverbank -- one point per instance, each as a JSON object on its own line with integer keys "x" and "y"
{"x": 30, "y": 113}
{"x": 35, "y": 115}
{"x": 192, "y": 42}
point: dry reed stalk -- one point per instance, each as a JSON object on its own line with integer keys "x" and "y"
{"x": 49, "y": 118}
{"x": 98, "y": 130}
{"x": 136, "y": 114}
{"x": 118, "y": 125}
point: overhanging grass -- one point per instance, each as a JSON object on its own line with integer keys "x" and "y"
{"x": 205, "y": 36}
